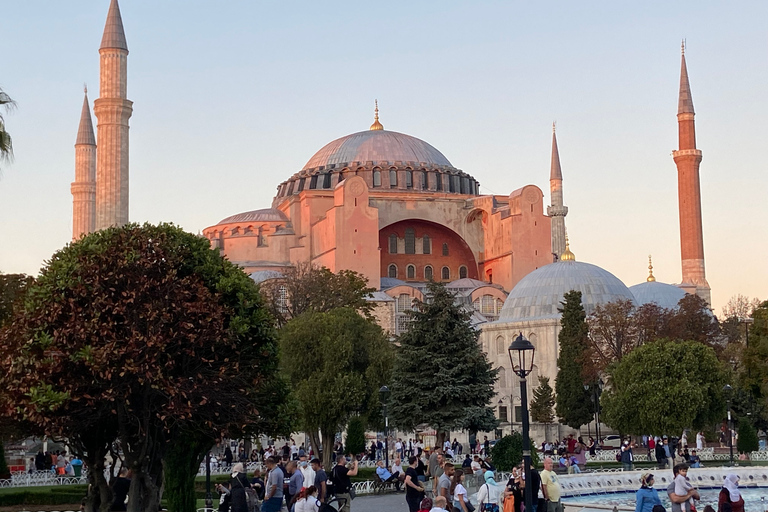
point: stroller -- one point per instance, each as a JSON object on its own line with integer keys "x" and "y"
{"x": 329, "y": 505}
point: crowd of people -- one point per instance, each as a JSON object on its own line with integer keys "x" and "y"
{"x": 56, "y": 462}
{"x": 684, "y": 496}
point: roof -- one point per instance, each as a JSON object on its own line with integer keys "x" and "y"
{"x": 685, "y": 101}
{"x": 85, "y": 130}
{"x": 265, "y": 275}
{"x": 263, "y": 215}
{"x": 377, "y": 146}
{"x": 539, "y": 294}
{"x": 555, "y": 173}
{"x": 662, "y": 294}
{"x": 114, "y": 35}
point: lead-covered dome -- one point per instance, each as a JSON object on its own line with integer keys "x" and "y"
{"x": 377, "y": 146}
{"x": 662, "y": 294}
{"x": 539, "y": 294}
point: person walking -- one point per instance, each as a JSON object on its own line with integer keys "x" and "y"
{"x": 341, "y": 483}
{"x": 550, "y": 487}
{"x": 238, "y": 483}
{"x": 273, "y": 499}
{"x": 414, "y": 489}
{"x": 646, "y": 497}
{"x": 459, "y": 494}
{"x": 488, "y": 496}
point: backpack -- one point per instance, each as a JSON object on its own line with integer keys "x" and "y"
{"x": 618, "y": 456}
{"x": 328, "y": 505}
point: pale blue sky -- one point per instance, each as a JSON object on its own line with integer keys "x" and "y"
{"x": 232, "y": 97}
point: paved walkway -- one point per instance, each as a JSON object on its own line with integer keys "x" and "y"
{"x": 385, "y": 502}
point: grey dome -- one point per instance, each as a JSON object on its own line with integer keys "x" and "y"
{"x": 265, "y": 215}
{"x": 662, "y": 294}
{"x": 538, "y": 295}
{"x": 377, "y": 146}
{"x": 265, "y": 275}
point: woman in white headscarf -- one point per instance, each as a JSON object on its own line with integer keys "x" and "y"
{"x": 730, "y": 494}
{"x": 238, "y": 484}
{"x": 489, "y": 493}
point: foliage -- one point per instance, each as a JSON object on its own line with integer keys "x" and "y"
{"x": 6, "y": 144}
{"x": 573, "y": 401}
{"x": 747, "y": 441}
{"x": 612, "y": 331}
{"x": 740, "y": 307}
{"x": 543, "y": 403}
{"x": 12, "y": 287}
{"x": 142, "y": 334}
{"x": 694, "y": 321}
{"x": 355, "y": 441}
{"x": 752, "y": 370}
{"x": 663, "y": 387}
{"x": 441, "y": 376}
{"x": 5, "y": 472}
{"x": 336, "y": 362}
{"x": 508, "y": 452}
{"x": 652, "y": 322}
{"x": 309, "y": 288}
{"x": 59, "y": 495}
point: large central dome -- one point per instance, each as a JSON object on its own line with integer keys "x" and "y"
{"x": 377, "y": 146}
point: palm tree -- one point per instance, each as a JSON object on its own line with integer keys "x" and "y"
{"x": 6, "y": 146}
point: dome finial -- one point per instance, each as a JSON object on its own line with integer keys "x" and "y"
{"x": 376, "y": 124}
{"x": 650, "y": 270}
{"x": 682, "y": 47}
{"x": 567, "y": 254}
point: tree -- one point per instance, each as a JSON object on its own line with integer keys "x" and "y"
{"x": 747, "y": 441}
{"x": 612, "y": 332}
{"x": 310, "y": 288}
{"x": 693, "y": 320}
{"x": 508, "y": 452}
{"x": 146, "y": 336}
{"x": 336, "y": 362}
{"x": 739, "y": 306}
{"x": 543, "y": 403}
{"x": 573, "y": 401}
{"x": 6, "y": 144}
{"x": 355, "y": 441}
{"x": 441, "y": 376}
{"x": 663, "y": 387}
{"x": 12, "y": 287}
{"x": 652, "y": 322}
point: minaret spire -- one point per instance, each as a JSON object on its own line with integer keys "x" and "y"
{"x": 687, "y": 158}
{"x": 557, "y": 211}
{"x": 376, "y": 124}
{"x": 84, "y": 187}
{"x": 112, "y": 110}
{"x": 650, "y": 278}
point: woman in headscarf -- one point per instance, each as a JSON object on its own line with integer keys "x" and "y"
{"x": 730, "y": 494}
{"x": 646, "y": 497}
{"x": 488, "y": 494}
{"x": 425, "y": 505}
{"x": 238, "y": 484}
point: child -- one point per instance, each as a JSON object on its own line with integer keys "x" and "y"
{"x": 683, "y": 485}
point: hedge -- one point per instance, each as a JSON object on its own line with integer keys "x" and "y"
{"x": 65, "y": 495}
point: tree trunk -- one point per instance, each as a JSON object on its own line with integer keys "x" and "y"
{"x": 98, "y": 485}
{"x": 180, "y": 467}
{"x": 314, "y": 441}
{"x": 328, "y": 449}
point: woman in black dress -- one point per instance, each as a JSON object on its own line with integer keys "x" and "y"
{"x": 238, "y": 501}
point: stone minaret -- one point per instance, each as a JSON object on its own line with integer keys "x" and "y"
{"x": 112, "y": 110}
{"x": 84, "y": 187}
{"x": 557, "y": 211}
{"x": 687, "y": 158}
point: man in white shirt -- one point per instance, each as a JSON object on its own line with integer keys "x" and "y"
{"x": 306, "y": 471}
{"x": 439, "y": 504}
{"x": 399, "y": 447}
{"x": 398, "y": 468}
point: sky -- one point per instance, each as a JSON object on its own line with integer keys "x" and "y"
{"x": 233, "y": 97}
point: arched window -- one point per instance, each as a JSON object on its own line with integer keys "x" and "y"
{"x": 341, "y": 177}
{"x": 376, "y": 178}
{"x": 408, "y": 179}
{"x": 404, "y": 303}
{"x": 392, "y": 271}
{"x": 392, "y": 178}
{"x": 428, "y": 273}
{"x": 462, "y": 272}
{"x": 438, "y": 182}
{"x": 301, "y": 184}
{"x": 393, "y": 244}
{"x": 410, "y": 241}
{"x": 410, "y": 272}
{"x": 501, "y": 346}
{"x": 313, "y": 182}
{"x": 424, "y": 180}
{"x": 426, "y": 245}
{"x": 502, "y": 378}
{"x": 445, "y": 249}
{"x": 327, "y": 180}
{"x": 446, "y": 273}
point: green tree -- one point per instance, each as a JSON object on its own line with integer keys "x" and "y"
{"x": 6, "y": 144}
{"x": 336, "y": 362}
{"x": 693, "y": 320}
{"x": 355, "y": 441}
{"x": 663, "y": 387}
{"x": 543, "y": 403}
{"x": 441, "y": 376}
{"x": 12, "y": 287}
{"x": 171, "y": 346}
{"x": 573, "y": 403}
{"x": 508, "y": 452}
{"x": 747, "y": 441}
{"x": 613, "y": 332}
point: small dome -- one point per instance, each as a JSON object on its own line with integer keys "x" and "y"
{"x": 466, "y": 284}
{"x": 662, "y": 294}
{"x": 264, "y": 215}
{"x": 377, "y": 145}
{"x": 538, "y": 295}
{"x": 265, "y": 275}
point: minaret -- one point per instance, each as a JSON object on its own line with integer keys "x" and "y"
{"x": 84, "y": 187}
{"x": 687, "y": 158}
{"x": 557, "y": 211}
{"x": 112, "y": 110}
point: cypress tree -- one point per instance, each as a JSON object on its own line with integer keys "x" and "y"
{"x": 574, "y": 407}
{"x": 543, "y": 402}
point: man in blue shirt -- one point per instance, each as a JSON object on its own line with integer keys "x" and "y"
{"x": 294, "y": 484}
{"x": 386, "y": 476}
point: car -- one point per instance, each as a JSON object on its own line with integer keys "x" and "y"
{"x": 611, "y": 442}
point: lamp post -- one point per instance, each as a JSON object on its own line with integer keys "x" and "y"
{"x": 384, "y": 396}
{"x": 208, "y": 497}
{"x": 521, "y": 353}
{"x": 727, "y": 389}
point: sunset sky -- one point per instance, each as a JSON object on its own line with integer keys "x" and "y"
{"x": 232, "y": 97}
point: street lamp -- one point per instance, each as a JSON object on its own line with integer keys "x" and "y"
{"x": 384, "y": 397}
{"x": 727, "y": 389}
{"x": 521, "y": 353}
{"x": 208, "y": 497}
{"x": 597, "y": 390}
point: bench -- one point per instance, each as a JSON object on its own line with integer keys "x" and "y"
{"x": 380, "y": 485}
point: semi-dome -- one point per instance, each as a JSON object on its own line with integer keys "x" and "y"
{"x": 263, "y": 215}
{"x": 539, "y": 294}
{"x": 377, "y": 145}
{"x": 662, "y": 294}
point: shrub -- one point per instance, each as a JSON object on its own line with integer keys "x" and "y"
{"x": 65, "y": 495}
{"x": 747, "y": 441}
{"x": 355, "y": 442}
{"x": 508, "y": 452}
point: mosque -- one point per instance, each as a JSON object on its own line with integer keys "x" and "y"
{"x": 393, "y": 208}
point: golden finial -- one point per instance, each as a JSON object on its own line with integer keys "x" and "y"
{"x": 567, "y": 254}
{"x": 650, "y": 270}
{"x": 376, "y": 124}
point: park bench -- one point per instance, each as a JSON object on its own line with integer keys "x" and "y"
{"x": 380, "y": 485}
